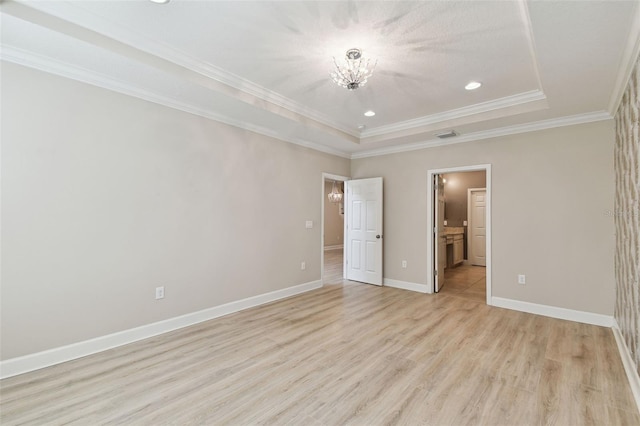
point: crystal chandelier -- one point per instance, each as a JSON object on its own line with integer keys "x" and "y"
{"x": 354, "y": 72}
{"x": 335, "y": 196}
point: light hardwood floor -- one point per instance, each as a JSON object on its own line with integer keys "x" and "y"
{"x": 347, "y": 353}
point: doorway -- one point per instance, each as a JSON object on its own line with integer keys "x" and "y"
{"x": 467, "y": 207}
{"x": 332, "y": 257}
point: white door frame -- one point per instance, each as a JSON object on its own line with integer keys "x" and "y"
{"x": 469, "y": 191}
{"x": 430, "y": 206}
{"x": 337, "y": 178}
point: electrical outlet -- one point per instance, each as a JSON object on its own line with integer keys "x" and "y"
{"x": 404, "y": 263}
{"x": 160, "y": 292}
{"x": 522, "y": 279}
{"x": 308, "y": 224}
{"x": 303, "y": 266}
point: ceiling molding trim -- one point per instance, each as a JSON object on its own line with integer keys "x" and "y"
{"x": 496, "y": 104}
{"x": 526, "y": 21}
{"x": 487, "y": 134}
{"x": 628, "y": 61}
{"x": 254, "y": 89}
{"x": 75, "y": 14}
{"x": 52, "y": 66}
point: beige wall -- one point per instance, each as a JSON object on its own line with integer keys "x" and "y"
{"x": 551, "y": 190}
{"x": 627, "y": 216}
{"x": 333, "y": 220}
{"x": 105, "y": 197}
{"x": 455, "y": 192}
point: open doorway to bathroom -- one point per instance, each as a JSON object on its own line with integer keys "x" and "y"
{"x": 461, "y": 240}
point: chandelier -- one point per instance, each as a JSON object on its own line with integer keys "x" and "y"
{"x": 335, "y": 196}
{"x": 354, "y": 72}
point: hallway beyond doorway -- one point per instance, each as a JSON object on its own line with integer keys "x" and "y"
{"x": 333, "y": 263}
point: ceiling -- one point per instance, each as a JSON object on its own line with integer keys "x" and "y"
{"x": 264, "y": 66}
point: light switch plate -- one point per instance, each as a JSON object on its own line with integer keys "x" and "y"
{"x": 309, "y": 224}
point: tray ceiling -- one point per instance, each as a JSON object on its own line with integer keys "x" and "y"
{"x": 265, "y": 65}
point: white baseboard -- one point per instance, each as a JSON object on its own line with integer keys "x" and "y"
{"x": 627, "y": 362}
{"x": 31, "y": 362}
{"x": 336, "y": 247}
{"x": 405, "y": 285}
{"x": 553, "y": 312}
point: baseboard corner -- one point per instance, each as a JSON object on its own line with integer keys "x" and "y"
{"x": 627, "y": 362}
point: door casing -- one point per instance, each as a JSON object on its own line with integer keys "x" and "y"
{"x": 430, "y": 221}
{"x": 337, "y": 178}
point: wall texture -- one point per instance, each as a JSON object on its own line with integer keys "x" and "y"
{"x": 551, "y": 190}
{"x": 627, "y": 216}
{"x": 333, "y": 220}
{"x": 455, "y": 192}
{"x": 105, "y": 197}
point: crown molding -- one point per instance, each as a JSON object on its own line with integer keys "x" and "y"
{"x": 75, "y": 14}
{"x": 628, "y": 61}
{"x": 486, "y": 134}
{"x": 526, "y": 22}
{"x": 52, "y": 66}
{"x": 508, "y": 101}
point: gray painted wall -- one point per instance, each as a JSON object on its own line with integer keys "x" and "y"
{"x": 105, "y": 197}
{"x": 550, "y": 188}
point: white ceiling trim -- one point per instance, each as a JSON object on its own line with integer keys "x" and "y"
{"x": 52, "y": 22}
{"x": 52, "y": 66}
{"x": 73, "y": 13}
{"x": 486, "y": 134}
{"x": 496, "y": 104}
{"x": 628, "y": 61}
{"x": 526, "y": 20}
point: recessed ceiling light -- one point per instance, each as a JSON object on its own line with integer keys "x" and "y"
{"x": 472, "y": 85}
{"x": 160, "y": 1}
{"x": 369, "y": 113}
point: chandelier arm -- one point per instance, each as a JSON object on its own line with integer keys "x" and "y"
{"x": 339, "y": 71}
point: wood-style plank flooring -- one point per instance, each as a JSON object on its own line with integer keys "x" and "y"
{"x": 347, "y": 353}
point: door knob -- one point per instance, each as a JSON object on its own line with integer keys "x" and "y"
{"x": 378, "y": 236}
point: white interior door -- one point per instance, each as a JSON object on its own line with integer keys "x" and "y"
{"x": 439, "y": 237}
{"x": 477, "y": 227}
{"x": 363, "y": 248}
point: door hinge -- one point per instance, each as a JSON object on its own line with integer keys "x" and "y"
{"x": 435, "y": 272}
{"x": 435, "y": 229}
